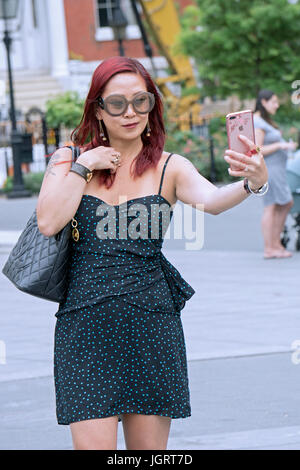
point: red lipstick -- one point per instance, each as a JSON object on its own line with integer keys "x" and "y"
{"x": 129, "y": 126}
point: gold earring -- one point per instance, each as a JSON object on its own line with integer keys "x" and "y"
{"x": 102, "y": 135}
{"x": 148, "y": 130}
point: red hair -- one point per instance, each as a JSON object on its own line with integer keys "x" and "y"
{"x": 88, "y": 129}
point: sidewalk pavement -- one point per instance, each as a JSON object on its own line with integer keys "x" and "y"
{"x": 240, "y": 330}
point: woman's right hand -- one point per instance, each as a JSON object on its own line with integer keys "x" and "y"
{"x": 288, "y": 145}
{"x": 100, "y": 158}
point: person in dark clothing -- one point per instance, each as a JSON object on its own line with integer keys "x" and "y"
{"x": 119, "y": 343}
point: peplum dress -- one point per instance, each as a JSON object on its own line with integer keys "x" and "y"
{"x": 119, "y": 344}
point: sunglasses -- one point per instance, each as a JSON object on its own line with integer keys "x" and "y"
{"x": 115, "y": 105}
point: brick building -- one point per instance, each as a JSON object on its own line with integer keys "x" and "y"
{"x": 60, "y": 42}
{"x": 90, "y": 36}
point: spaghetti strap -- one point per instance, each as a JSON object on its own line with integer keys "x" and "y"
{"x": 163, "y": 172}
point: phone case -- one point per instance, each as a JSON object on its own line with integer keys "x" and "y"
{"x": 239, "y": 123}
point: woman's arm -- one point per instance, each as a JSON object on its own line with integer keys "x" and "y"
{"x": 192, "y": 188}
{"x": 266, "y": 149}
{"x": 62, "y": 189}
{"x": 60, "y": 193}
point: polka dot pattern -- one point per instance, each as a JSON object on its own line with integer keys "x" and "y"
{"x": 117, "y": 358}
{"x": 119, "y": 342}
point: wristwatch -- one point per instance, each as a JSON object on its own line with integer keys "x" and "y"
{"x": 82, "y": 170}
{"x": 259, "y": 192}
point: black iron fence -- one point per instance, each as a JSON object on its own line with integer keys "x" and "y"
{"x": 37, "y": 144}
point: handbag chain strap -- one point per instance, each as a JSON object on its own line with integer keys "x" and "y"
{"x": 74, "y": 223}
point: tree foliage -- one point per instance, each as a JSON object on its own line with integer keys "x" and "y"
{"x": 241, "y": 46}
{"x": 66, "y": 109}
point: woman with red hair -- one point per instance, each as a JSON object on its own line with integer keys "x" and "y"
{"x": 119, "y": 343}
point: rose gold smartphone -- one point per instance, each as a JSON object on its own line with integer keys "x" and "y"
{"x": 237, "y": 123}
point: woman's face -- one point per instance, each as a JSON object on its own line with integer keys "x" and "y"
{"x": 271, "y": 105}
{"x": 126, "y": 84}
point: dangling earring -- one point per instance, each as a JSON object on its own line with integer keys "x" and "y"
{"x": 102, "y": 136}
{"x": 148, "y": 130}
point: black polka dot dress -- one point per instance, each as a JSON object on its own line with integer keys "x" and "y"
{"x": 119, "y": 343}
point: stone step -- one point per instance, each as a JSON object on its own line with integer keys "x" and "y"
{"x": 33, "y": 90}
{"x": 20, "y": 74}
{"x": 34, "y": 93}
{"x": 36, "y": 84}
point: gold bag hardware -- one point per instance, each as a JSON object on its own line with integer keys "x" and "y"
{"x": 75, "y": 232}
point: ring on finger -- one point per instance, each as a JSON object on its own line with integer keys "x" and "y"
{"x": 255, "y": 150}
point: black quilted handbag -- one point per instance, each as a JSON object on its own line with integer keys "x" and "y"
{"x": 38, "y": 265}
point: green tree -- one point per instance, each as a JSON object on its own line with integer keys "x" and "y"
{"x": 241, "y": 46}
{"x": 66, "y": 109}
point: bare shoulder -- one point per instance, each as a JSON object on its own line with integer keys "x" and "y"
{"x": 178, "y": 163}
{"x": 177, "y": 168}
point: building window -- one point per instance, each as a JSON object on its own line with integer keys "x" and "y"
{"x": 104, "y": 13}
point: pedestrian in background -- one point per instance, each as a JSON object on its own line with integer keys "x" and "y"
{"x": 278, "y": 200}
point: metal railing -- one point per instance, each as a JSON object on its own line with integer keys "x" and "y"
{"x": 44, "y": 142}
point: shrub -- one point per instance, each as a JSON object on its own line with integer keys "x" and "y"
{"x": 65, "y": 109}
{"x": 32, "y": 182}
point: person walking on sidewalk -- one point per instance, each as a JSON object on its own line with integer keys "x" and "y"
{"x": 279, "y": 200}
{"x": 119, "y": 349}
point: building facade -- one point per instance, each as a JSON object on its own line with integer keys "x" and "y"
{"x": 39, "y": 38}
{"x": 66, "y": 39}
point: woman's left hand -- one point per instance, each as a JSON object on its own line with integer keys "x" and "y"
{"x": 253, "y": 167}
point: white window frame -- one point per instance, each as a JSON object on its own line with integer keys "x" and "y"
{"x": 106, "y": 33}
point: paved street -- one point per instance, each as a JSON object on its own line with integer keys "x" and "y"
{"x": 239, "y": 327}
